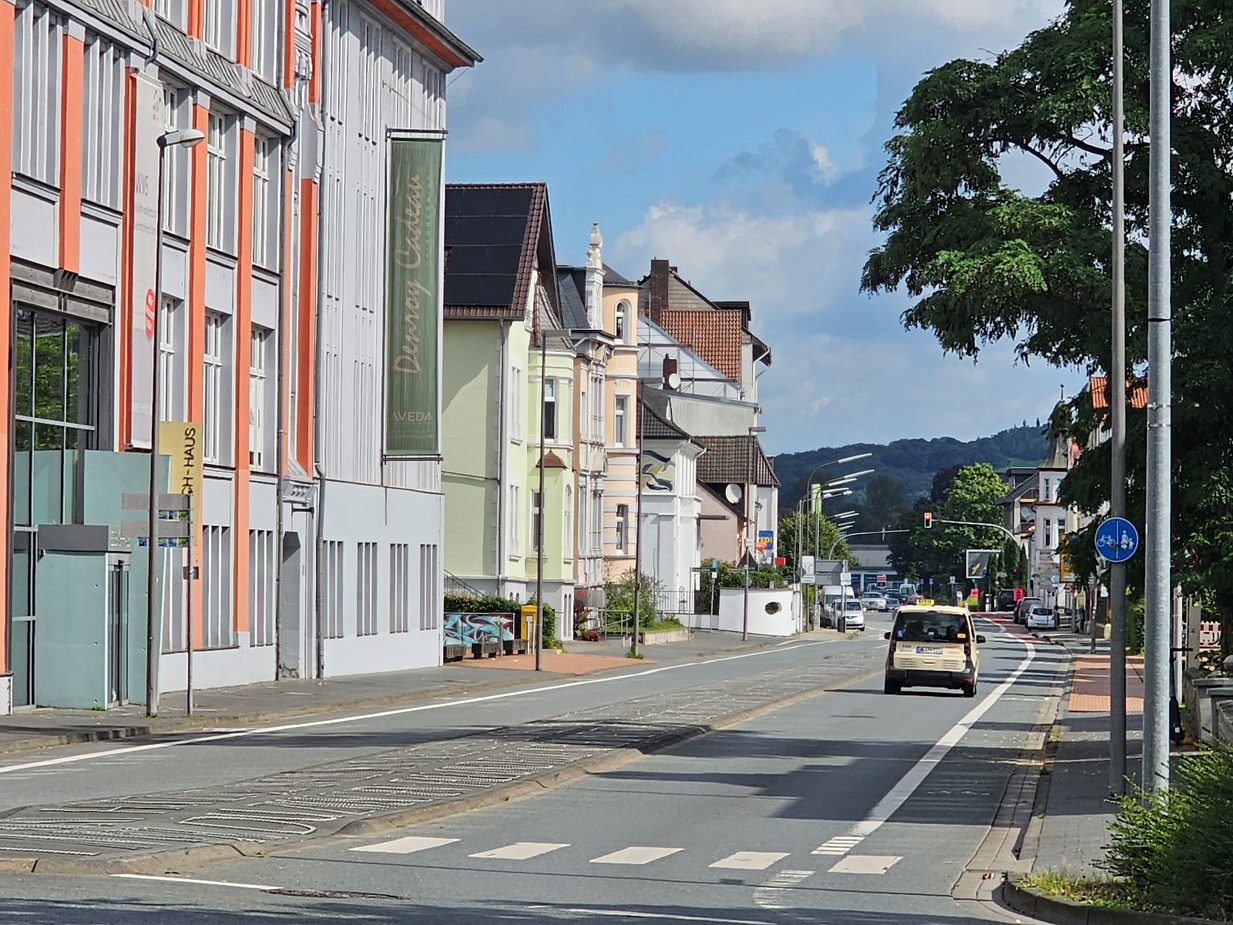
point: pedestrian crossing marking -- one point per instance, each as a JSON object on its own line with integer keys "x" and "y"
{"x": 521, "y": 851}
{"x": 774, "y": 893}
{"x": 408, "y": 845}
{"x": 839, "y": 845}
{"x": 636, "y": 854}
{"x": 750, "y": 860}
{"x": 865, "y": 864}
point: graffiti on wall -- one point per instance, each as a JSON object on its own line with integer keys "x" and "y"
{"x": 658, "y": 472}
{"x": 465, "y": 629}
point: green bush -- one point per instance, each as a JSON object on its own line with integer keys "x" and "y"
{"x": 1173, "y": 850}
{"x": 620, "y": 596}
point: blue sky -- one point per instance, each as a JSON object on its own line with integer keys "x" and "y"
{"x": 741, "y": 139}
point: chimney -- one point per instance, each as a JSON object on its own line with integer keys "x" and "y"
{"x": 670, "y": 368}
{"x": 658, "y": 303}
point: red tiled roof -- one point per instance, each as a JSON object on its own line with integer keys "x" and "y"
{"x": 716, "y": 336}
{"x": 1136, "y": 393}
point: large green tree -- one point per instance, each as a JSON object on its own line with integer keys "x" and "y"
{"x": 984, "y": 261}
{"x": 937, "y": 552}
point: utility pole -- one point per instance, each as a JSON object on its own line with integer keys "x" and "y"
{"x": 1117, "y": 405}
{"x": 633, "y": 636}
{"x": 1159, "y": 383}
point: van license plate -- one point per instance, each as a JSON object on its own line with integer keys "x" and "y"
{"x": 928, "y": 650}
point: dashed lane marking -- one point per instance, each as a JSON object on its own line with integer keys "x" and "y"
{"x": 521, "y": 851}
{"x": 408, "y": 845}
{"x": 750, "y": 860}
{"x": 865, "y": 864}
{"x": 637, "y": 854}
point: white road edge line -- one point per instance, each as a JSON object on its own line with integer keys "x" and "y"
{"x": 660, "y": 916}
{"x": 227, "y": 883}
{"x": 909, "y": 783}
{"x": 401, "y": 711}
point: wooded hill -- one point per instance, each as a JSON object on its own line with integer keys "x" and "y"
{"x": 914, "y": 463}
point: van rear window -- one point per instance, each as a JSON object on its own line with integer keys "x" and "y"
{"x": 930, "y": 626}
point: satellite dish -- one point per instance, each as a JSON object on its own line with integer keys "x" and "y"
{"x": 733, "y": 493}
{"x": 674, "y": 381}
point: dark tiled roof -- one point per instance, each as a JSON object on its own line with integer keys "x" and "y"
{"x": 734, "y": 459}
{"x": 572, "y": 283}
{"x": 613, "y": 278}
{"x": 655, "y": 424}
{"x": 492, "y": 232}
{"x": 1136, "y": 393}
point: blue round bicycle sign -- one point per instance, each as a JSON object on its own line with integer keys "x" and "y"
{"x": 1116, "y": 539}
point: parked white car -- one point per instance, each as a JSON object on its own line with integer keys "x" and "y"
{"x": 853, "y": 616}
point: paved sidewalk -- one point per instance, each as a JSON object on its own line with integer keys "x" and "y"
{"x": 1075, "y": 804}
{"x": 251, "y": 704}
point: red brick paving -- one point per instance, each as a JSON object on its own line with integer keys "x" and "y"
{"x": 555, "y": 662}
{"x": 1090, "y": 691}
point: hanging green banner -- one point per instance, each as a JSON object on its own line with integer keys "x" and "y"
{"x": 412, "y": 303}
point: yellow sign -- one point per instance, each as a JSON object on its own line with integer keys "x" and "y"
{"x": 181, "y": 440}
{"x": 1067, "y": 575}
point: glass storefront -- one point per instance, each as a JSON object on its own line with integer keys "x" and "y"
{"x": 55, "y": 417}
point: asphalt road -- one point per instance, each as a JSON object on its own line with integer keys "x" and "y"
{"x": 851, "y": 808}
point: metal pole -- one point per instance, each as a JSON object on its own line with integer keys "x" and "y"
{"x": 633, "y": 636}
{"x": 1159, "y": 462}
{"x": 1117, "y": 405}
{"x": 190, "y": 572}
{"x": 539, "y": 527}
{"x": 152, "y": 608}
{"x": 745, "y": 618}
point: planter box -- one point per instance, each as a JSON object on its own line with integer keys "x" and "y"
{"x": 665, "y": 636}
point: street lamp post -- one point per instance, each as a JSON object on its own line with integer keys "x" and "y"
{"x": 750, "y": 521}
{"x": 179, "y": 138}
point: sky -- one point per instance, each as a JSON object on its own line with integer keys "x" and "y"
{"x": 741, "y": 140}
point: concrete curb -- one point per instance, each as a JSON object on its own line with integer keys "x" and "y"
{"x": 163, "y": 862}
{"x": 1028, "y": 901}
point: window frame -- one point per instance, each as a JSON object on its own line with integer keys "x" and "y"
{"x": 620, "y": 415}
{"x": 550, "y": 409}
{"x": 258, "y": 396}
{"x": 214, "y": 391}
{"x": 622, "y": 528}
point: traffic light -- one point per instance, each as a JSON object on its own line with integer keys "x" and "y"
{"x": 928, "y": 519}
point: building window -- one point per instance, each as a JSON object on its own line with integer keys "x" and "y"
{"x": 217, "y": 29}
{"x": 261, "y": 565}
{"x": 567, "y": 522}
{"x": 257, "y": 398}
{"x": 618, "y": 428}
{"x": 537, "y": 512}
{"x": 366, "y": 589}
{"x": 102, "y": 117}
{"x": 584, "y": 421}
{"x": 515, "y": 403}
{"x": 175, "y": 159}
{"x": 37, "y": 46}
{"x": 174, "y": 11}
{"x": 171, "y": 368}
{"x": 260, "y": 26}
{"x": 550, "y": 409}
{"x": 431, "y": 602}
{"x": 622, "y": 527}
{"x": 217, "y": 631}
{"x": 261, "y": 201}
{"x": 400, "y": 587}
{"x": 515, "y": 534}
{"x": 215, "y": 409}
{"x": 622, "y": 321}
{"x": 332, "y": 590}
{"x": 218, "y": 211}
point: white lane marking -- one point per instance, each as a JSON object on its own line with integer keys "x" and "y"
{"x": 227, "y": 883}
{"x": 521, "y": 850}
{"x": 916, "y": 775}
{"x": 774, "y": 893}
{"x": 383, "y": 714}
{"x": 750, "y": 860}
{"x": 839, "y": 845}
{"x": 636, "y": 854}
{"x": 659, "y": 916}
{"x": 865, "y": 864}
{"x": 407, "y": 845}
